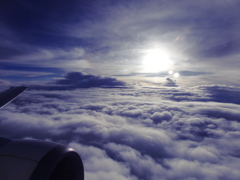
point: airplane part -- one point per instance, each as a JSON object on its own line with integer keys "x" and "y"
{"x": 34, "y": 159}
{"x": 38, "y": 160}
{"x": 10, "y": 94}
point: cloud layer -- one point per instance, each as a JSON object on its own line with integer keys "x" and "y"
{"x": 134, "y": 134}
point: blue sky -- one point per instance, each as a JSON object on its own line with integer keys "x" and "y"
{"x": 127, "y": 40}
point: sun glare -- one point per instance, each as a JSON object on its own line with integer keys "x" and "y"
{"x": 176, "y": 75}
{"x": 156, "y": 60}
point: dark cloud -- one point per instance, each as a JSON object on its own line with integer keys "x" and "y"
{"x": 218, "y": 112}
{"x": 170, "y": 82}
{"x": 79, "y": 80}
{"x": 74, "y": 80}
{"x": 221, "y": 93}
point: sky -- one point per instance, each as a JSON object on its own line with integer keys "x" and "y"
{"x": 142, "y": 90}
{"x": 143, "y": 42}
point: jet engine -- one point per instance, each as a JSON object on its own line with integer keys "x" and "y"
{"x": 38, "y": 160}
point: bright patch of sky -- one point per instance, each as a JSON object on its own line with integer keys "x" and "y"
{"x": 125, "y": 39}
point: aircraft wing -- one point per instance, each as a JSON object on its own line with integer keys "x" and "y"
{"x": 10, "y": 94}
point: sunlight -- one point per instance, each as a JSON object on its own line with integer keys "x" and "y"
{"x": 176, "y": 75}
{"x": 156, "y": 60}
{"x": 170, "y": 72}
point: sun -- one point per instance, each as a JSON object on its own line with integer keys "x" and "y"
{"x": 156, "y": 60}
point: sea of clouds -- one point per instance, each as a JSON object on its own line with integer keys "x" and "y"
{"x": 136, "y": 133}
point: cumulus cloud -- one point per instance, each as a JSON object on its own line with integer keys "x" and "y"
{"x": 158, "y": 117}
{"x": 132, "y": 134}
{"x": 99, "y": 166}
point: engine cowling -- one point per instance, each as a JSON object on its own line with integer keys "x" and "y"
{"x": 38, "y": 160}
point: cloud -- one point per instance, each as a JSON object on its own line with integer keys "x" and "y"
{"x": 219, "y": 112}
{"x": 7, "y": 52}
{"x": 74, "y": 80}
{"x": 158, "y": 117}
{"x": 99, "y": 166}
{"x": 80, "y": 80}
{"x": 170, "y": 82}
{"x": 222, "y": 93}
{"x": 167, "y": 132}
{"x": 4, "y": 84}
{"x": 193, "y": 73}
{"x": 24, "y": 73}
{"x": 143, "y": 166}
{"x": 133, "y": 133}
{"x": 109, "y": 38}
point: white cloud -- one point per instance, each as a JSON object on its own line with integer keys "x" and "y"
{"x": 117, "y": 136}
{"x": 99, "y": 166}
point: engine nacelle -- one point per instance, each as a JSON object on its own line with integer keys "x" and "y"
{"x": 38, "y": 160}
